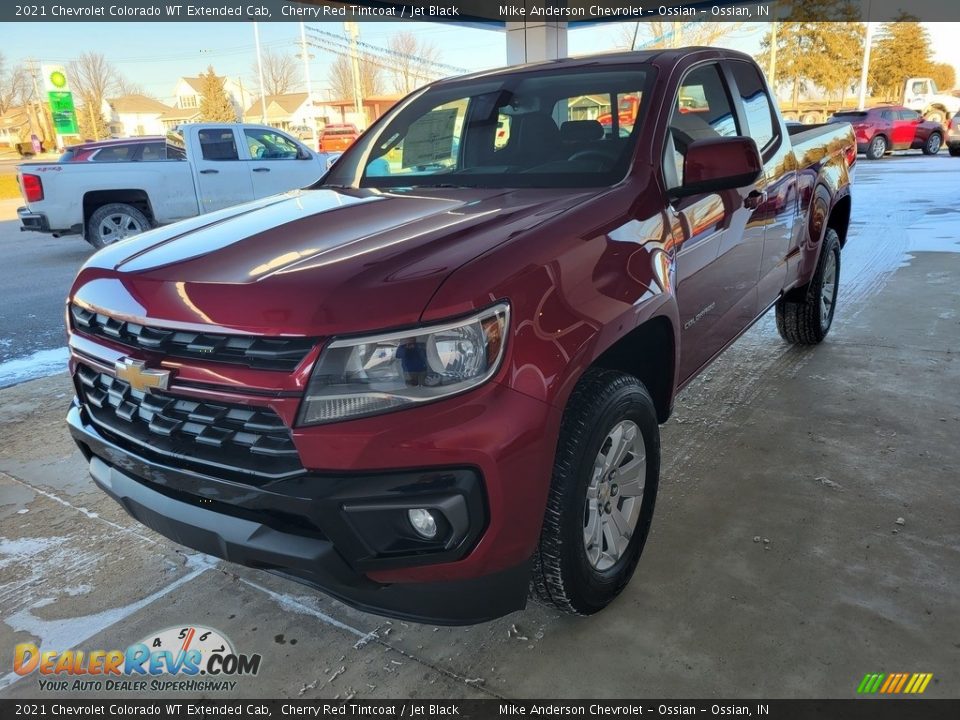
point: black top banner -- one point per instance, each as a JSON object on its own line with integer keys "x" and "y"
{"x": 174, "y": 709}
{"x": 494, "y": 12}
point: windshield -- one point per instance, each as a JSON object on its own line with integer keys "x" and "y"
{"x": 529, "y": 129}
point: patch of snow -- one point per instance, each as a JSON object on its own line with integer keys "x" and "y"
{"x": 30, "y": 367}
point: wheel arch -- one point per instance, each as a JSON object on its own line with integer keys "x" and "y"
{"x": 839, "y": 218}
{"x": 95, "y": 199}
{"x": 649, "y": 353}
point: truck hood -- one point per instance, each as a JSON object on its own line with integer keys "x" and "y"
{"x": 315, "y": 262}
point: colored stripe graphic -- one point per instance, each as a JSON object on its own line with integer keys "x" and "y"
{"x": 894, "y": 683}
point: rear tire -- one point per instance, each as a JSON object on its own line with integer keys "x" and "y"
{"x": 116, "y": 221}
{"x": 933, "y": 144}
{"x": 602, "y": 493}
{"x": 877, "y": 147}
{"x": 805, "y": 315}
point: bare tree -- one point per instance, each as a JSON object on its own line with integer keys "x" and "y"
{"x": 126, "y": 86}
{"x": 92, "y": 78}
{"x": 411, "y": 60}
{"x": 341, "y": 77}
{"x": 656, "y": 34}
{"x": 16, "y": 85}
{"x": 281, "y": 73}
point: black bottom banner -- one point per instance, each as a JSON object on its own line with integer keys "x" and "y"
{"x": 865, "y": 709}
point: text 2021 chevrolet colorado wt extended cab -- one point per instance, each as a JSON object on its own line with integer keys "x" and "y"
{"x": 435, "y": 378}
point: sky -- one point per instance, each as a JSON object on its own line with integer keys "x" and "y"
{"x": 154, "y": 55}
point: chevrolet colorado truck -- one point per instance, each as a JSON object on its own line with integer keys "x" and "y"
{"x": 434, "y": 380}
{"x": 198, "y": 169}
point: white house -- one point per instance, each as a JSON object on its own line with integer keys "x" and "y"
{"x": 132, "y": 115}
{"x": 287, "y": 111}
{"x": 189, "y": 90}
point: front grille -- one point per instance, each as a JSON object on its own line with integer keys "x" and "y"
{"x": 238, "y": 441}
{"x": 266, "y": 353}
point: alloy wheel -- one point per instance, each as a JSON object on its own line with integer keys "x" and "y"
{"x": 614, "y": 496}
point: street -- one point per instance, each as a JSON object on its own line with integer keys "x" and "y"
{"x": 806, "y": 529}
{"x": 37, "y": 273}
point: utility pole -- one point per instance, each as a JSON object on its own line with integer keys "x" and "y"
{"x": 243, "y": 99}
{"x": 867, "y": 41}
{"x": 772, "y": 69}
{"x": 263, "y": 98}
{"x": 306, "y": 62}
{"x": 353, "y": 31}
{"x": 306, "y": 76}
{"x": 40, "y": 113}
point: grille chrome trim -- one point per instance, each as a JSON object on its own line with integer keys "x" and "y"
{"x": 249, "y": 444}
{"x": 263, "y": 353}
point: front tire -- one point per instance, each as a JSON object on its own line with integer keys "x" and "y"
{"x": 933, "y": 144}
{"x": 805, "y": 315}
{"x": 602, "y": 493}
{"x": 877, "y": 147}
{"x": 114, "y": 222}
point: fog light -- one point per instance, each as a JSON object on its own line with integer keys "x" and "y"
{"x": 423, "y": 522}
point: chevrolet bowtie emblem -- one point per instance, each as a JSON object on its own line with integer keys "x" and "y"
{"x": 140, "y": 376}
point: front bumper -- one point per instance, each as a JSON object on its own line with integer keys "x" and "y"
{"x": 311, "y": 528}
{"x": 33, "y": 221}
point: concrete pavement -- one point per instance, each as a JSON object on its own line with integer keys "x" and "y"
{"x": 777, "y": 564}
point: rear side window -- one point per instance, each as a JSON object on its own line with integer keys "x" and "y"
{"x": 217, "y": 144}
{"x": 153, "y": 151}
{"x": 756, "y": 104}
{"x": 887, "y": 115}
{"x": 116, "y": 153}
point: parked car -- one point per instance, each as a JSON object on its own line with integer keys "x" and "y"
{"x": 303, "y": 132}
{"x": 420, "y": 390}
{"x": 194, "y": 170}
{"x": 337, "y": 138}
{"x": 134, "y": 149}
{"x": 886, "y": 128}
{"x": 953, "y": 136}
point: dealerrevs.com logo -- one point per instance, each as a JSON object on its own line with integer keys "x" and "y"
{"x": 188, "y": 659}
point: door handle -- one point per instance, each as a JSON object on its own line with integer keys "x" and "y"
{"x": 755, "y": 199}
{"x": 261, "y": 169}
{"x": 209, "y": 172}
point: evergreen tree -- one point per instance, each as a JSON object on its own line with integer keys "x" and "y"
{"x": 901, "y": 50}
{"x": 91, "y": 122}
{"x": 824, "y": 55}
{"x": 215, "y": 105}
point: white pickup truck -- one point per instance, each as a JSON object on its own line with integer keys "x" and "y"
{"x": 198, "y": 169}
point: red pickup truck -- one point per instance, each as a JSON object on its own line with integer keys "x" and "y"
{"x": 436, "y": 378}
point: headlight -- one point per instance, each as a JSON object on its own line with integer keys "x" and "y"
{"x": 356, "y": 377}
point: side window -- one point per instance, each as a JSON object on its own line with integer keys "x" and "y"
{"x": 887, "y": 115}
{"x": 270, "y": 145}
{"x": 431, "y": 144}
{"x": 117, "y": 153}
{"x": 756, "y": 104}
{"x": 153, "y": 151}
{"x": 218, "y": 144}
{"x": 909, "y": 114}
{"x": 703, "y": 111}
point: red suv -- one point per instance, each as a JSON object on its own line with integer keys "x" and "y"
{"x": 892, "y": 127}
